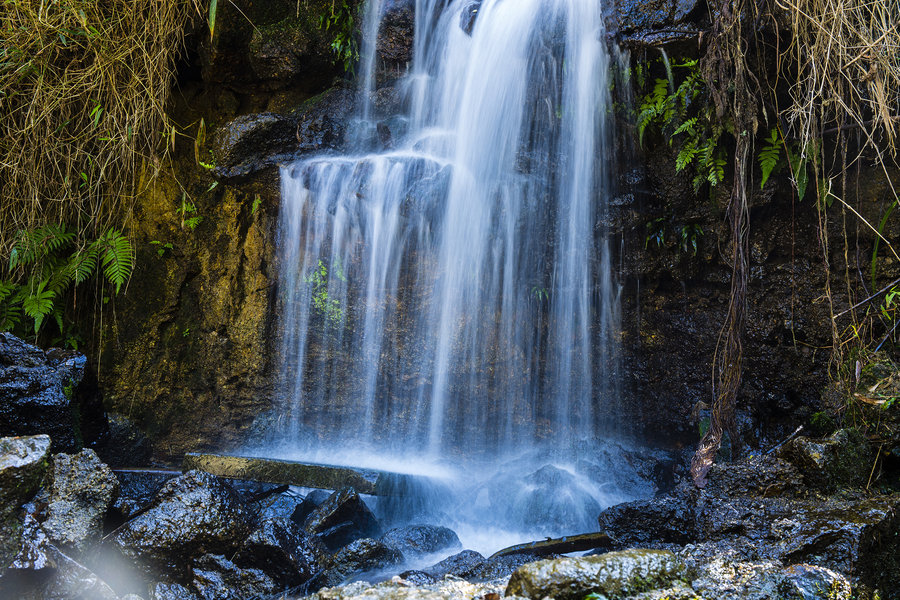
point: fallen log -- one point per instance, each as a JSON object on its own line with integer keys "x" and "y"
{"x": 289, "y": 472}
{"x": 569, "y": 543}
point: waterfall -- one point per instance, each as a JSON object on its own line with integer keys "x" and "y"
{"x": 453, "y": 296}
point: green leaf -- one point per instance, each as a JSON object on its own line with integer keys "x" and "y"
{"x": 117, "y": 258}
{"x": 769, "y": 156}
{"x": 38, "y": 304}
{"x": 213, "y": 5}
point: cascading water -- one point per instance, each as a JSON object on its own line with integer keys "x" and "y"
{"x": 451, "y": 298}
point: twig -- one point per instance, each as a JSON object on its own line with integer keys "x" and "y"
{"x": 785, "y": 440}
{"x": 872, "y": 297}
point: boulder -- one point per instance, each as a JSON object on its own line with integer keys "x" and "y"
{"x": 342, "y": 518}
{"x": 81, "y": 489}
{"x": 842, "y": 460}
{"x": 37, "y": 392}
{"x": 191, "y": 515}
{"x": 414, "y": 540}
{"x": 137, "y": 488}
{"x": 613, "y": 574}
{"x": 73, "y": 580}
{"x": 358, "y": 557}
{"x": 217, "y": 578}
{"x": 171, "y": 591}
{"x": 643, "y": 22}
{"x": 457, "y": 565}
{"x": 280, "y": 550}
{"x": 322, "y": 120}
{"x": 310, "y": 502}
{"x": 23, "y": 462}
{"x": 253, "y": 142}
{"x": 666, "y": 519}
{"x": 807, "y": 582}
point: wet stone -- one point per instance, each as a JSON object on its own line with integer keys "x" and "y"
{"x": 613, "y": 574}
{"x": 191, "y": 514}
{"x": 342, "y": 518}
{"x": 282, "y": 551}
{"x": 23, "y": 461}
{"x": 171, "y": 591}
{"x": 82, "y": 488}
{"x": 217, "y": 578}
{"x": 415, "y": 540}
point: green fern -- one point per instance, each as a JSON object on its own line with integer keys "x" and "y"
{"x": 117, "y": 258}
{"x": 769, "y": 156}
{"x": 45, "y": 261}
{"x": 38, "y": 304}
{"x": 35, "y": 244}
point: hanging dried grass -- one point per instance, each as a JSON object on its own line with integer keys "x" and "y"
{"x": 83, "y": 89}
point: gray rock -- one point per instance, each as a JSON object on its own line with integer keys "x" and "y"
{"x": 253, "y": 142}
{"x": 282, "y": 551}
{"x": 397, "y": 31}
{"x": 647, "y": 20}
{"x": 842, "y": 460}
{"x": 322, "y": 121}
{"x": 613, "y": 574}
{"x": 82, "y": 489}
{"x": 358, "y": 557}
{"x": 461, "y": 563}
{"x": 137, "y": 488}
{"x": 37, "y": 392}
{"x": 191, "y": 515}
{"x": 414, "y": 540}
{"x": 217, "y": 578}
{"x": 666, "y": 519}
{"x": 342, "y": 518}
{"x": 807, "y": 582}
{"x": 23, "y": 462}
{"x": 171, "y": 591}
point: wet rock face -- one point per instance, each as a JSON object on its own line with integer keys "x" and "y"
{"x": 283, "y": 552}
{"x": 415, "y": 540}
{"x": 171, "y": 591}
{"x": 37, "y": 392}
{"x": 252, "y": 142}
{"x": 357, "y": 557}
{"x": 342, "y": 518}
{"x": 82, "y": 489}
{"x": 843, "y": 460}
{"x": 23, "y": 462}
{"x": 270, "y": 45}
{"x": 395, "y": 37}
{"x": 654, "y": 20}
{"x": 767, "y": 521}
{"x": 613, "y": 574}
{"x": 191, "y": 514}
{"x": 217, "y": 578}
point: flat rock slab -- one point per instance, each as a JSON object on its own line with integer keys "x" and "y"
{"x": 326, "y": 477}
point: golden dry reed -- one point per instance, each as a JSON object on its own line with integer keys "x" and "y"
{"x": 84, "y": 86}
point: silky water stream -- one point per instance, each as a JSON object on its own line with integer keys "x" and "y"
{"x": 448, "y": 305}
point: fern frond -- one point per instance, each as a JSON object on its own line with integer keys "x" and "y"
{"x": 117, "y": 258}
{"x": 769, "y": 156}
{"x": 83, "y": 263}
{"x": 35, "y": 244}
{"x": 38, "y": 303}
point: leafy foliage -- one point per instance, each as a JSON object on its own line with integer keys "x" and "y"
{"x": 327, "y": 307}
{"x": 685, "y": 116}
{"x": 769, "y": 156}
{"x": 45, "y": 262}
{"x": 340, "y": 21}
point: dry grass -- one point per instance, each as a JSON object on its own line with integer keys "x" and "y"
{"x": 83, "y": 89}
{"x": 848, "y": 52}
